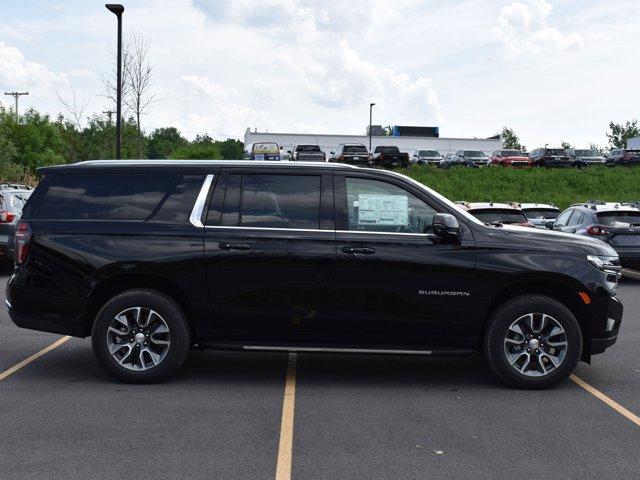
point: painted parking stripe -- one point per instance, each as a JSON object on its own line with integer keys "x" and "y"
{"x": 609, "y": 401}
{"x": 33, "y": 357}
{"x": 283, "y": 467}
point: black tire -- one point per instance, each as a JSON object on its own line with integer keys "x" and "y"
{"x": 505, "y": 315}
{"x": 179, "y": 335}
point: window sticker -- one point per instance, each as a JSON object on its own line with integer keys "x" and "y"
{"x": 383, "y": 209}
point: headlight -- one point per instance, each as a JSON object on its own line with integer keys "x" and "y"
{"x": 605, "y": 264}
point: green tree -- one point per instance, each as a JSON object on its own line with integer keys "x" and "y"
{"x": 231, "y": 149}
{"x": 163, "y": 141}
{"x": 510, "y": 140}
{"x": 619, "y": 133}
{"x": 566, "y": 145}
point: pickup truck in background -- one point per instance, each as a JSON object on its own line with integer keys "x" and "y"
{"x": 389, "y": 157}
{"x": 307, "y": 153}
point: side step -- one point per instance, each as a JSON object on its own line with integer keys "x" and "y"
{"x": 466, "y": 352}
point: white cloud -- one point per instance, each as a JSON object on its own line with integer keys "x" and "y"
{"x": 18, "y": 72}
{"x": 524, "y": 29}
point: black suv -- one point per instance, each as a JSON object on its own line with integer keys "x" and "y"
{"x": 618, "y": 224}
{"x": 152, "y": 258}
{"x": 550, "y": 157}
{"x": 623, "y": 157}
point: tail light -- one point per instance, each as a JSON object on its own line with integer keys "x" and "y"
{"x": 21, "y": 239}
{"x": 6, "y": 217}
{"x": 597, "y": 230}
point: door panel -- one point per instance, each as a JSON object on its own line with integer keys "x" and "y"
{"x": 267, "y": 256}
{"x": 403, "y": 286}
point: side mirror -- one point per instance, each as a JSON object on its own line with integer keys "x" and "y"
{"x": 549, "y": 225}
{"x": 446, "y": 225}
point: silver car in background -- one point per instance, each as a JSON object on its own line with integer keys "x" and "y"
{"x": 13, "y": 196}
{"x": 539, "y": 214}
{"x": 428, "y": 157}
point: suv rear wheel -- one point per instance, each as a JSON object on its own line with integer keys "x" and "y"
{"x": 533, "y": 341}
{"x": 140, "y": 336}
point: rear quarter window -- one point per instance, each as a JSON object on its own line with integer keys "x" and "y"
{"x": 100, "y": 196}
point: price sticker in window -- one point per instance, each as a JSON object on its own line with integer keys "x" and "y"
{"x": 390, "y": 210}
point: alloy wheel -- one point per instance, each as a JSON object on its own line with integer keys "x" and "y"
{"x": 138, "y": 338}
{"x": 535, "y": 344}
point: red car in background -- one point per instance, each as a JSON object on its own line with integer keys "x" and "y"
{"x": 510, "y": 158}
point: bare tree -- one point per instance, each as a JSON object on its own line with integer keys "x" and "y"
{"x": 75, "y": 107}
{"x": 110, "y": 79}
{"x": 139, "y": 82}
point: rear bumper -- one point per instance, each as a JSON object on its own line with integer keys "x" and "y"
{"x": 612, "y": 326}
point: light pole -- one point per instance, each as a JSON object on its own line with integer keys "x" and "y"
{"x": 118, "y": 10}
{"x": 370, "y": 118}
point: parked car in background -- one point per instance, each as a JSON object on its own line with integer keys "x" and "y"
{"x": 268, "y": 151}
{"x": 550, "y": 157}
{"x": 496, "y": 213}
{"x": 510, "y": 158}
{"x": 615, "y": 223}
{"x": 623, "y": 157}
{"x": 307, "y": 153}
{"x": 584, "y": 158}
{"x": 539, "y": 214}
{"x": 428, "y": 157}
{"x": 471, "y": 158}
{"x": 390, "y": 156}
{"x": 352, "y": 154}
{"x": 154, "y": 258}
{"x": 12, "y": 198}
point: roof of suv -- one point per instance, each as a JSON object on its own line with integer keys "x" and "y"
{"x": 97, "y": 164}
{"x": 536, "y": 205}
{"x": 597, "y": 206}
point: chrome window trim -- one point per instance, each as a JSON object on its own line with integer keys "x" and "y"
{"x": 277, "y": 229}
{"x": 198, "y": 208}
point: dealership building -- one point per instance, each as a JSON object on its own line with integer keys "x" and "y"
{"x": 406, "y": 139}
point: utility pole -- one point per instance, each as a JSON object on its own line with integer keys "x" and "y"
{"x": 109, "y": 113}
{"x": 16, "y": 95}
{"x": 118, "y": 10}
{"x": 370, "y": 118}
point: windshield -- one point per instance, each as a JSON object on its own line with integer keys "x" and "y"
{"x": 511, "y": 153}
{"x": 266, "y": 147}
{"x": 307, "y": 148}
{"x": 586, "y": 153}
{"x": 538, "y": 213}
{"x": 387, "y": 149}
{"x": 555, "y": 151}
{"x": 428, "y": 153}
{"x": 355, "y": 149}
{"x": 493, "y": 215}
{"x": 619, "y": 219}
{"x": 473, "y": 153}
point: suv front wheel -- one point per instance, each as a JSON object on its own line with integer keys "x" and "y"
{"x": 141, "y": 336}
{"x": 533, "y": 341}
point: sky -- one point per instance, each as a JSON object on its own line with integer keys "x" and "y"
{"x": 553, "y": 70}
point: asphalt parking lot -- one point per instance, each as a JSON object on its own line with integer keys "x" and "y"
{"x": 354, "y": 416}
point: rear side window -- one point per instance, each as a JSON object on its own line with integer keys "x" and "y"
{"x": 100, "y": 197}
{"x": 177, "y": 206}
{"x": 272, "y": 201}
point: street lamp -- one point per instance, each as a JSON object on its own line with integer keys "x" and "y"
{"x": 370, "y": 117}
{"x": 118, "y": 10}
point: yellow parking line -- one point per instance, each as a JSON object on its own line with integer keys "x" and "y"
{"x": 283, "y": 467}
{"x": 610, "y": 402}
{"x": 33, "y": 357}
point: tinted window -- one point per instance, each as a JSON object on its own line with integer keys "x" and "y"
{"x": 354, "y": 149}
{"x": 428, "y": 153}
{"x": 387, "y": 149}
{"x": 307, "y": 148}
{"x": 280, "y": 201}
{"x": 576, "y": 219}
{"x": 542, "y": 213}
{"x": 101, "y": 197}
{"x": 178, "y": 204}
{"x": 555, "y": 151}
{"x": 493, "y": 215}
{"x": 511, "y": 153}
{"x": 619, "y": 218}
{"x": 474, "y": 153}
{"x": 382, "y": 207}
